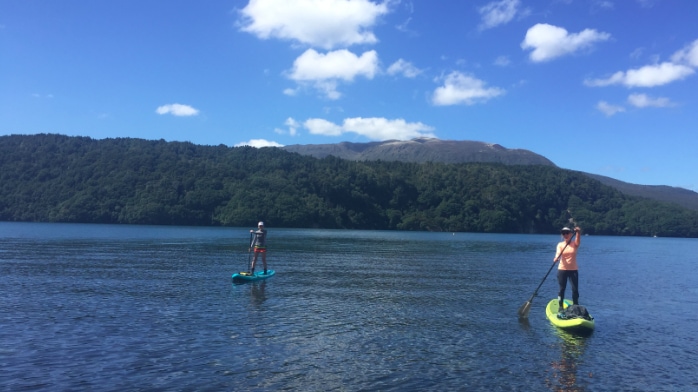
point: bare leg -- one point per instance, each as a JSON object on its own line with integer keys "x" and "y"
{"x": 254, "y": 261}
{"x": 264, "y": 261}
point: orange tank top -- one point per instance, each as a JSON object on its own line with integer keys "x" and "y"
{"x": 568, "y": 261}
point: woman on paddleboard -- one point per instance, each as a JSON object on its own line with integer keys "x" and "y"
{"x": 259, "y": 244}
{"x": 567, "y": 270}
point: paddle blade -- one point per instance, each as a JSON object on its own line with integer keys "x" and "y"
{"x": 524, "y": 310}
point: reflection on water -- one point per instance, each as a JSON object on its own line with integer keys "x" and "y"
{"x": 564, "y": 375}
{"x": 524, "y": 324}
{"x": 103, "y": 307}
{"x": 257, "y": 292}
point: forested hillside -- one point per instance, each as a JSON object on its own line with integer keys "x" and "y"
{"x": 464, "y": 151}
{"x": 53, "y": 178}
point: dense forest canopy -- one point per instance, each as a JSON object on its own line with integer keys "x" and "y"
{"x": 54, "y": 178}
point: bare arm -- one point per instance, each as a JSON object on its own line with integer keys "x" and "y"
{"x": 578, "y": 237}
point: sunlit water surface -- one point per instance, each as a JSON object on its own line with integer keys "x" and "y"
{"x": 111, "y": 308}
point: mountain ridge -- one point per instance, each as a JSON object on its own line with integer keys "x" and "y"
{"x": 422, "y": 150}
{"x": 57, "y": 178}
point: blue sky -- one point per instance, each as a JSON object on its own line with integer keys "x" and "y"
{"x": 601, "y": 86}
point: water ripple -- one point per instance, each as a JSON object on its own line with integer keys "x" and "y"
{"x": 136, "y": 308}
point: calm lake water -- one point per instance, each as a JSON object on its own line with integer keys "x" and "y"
{"x": 113, "y": 308}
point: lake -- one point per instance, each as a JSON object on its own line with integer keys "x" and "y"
{"x": 113, "y": 308}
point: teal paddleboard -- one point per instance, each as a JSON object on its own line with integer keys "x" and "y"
{"x": 244, "y": 277}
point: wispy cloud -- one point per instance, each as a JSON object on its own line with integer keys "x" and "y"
{"x": 502, "y": 61}
{"x": 608, "y": 109}
{"x": 647, "y": 76}
{"x": 548, "y": 42}
{"x": 644, "y": 101}
{"x": 291, "y": 127}
{"x": 498, "y": 13}
{"x": 459, "y": 88}
{"x": 374, "y": 128}
{"x": 598, "y": 5}
{"x": 646, "y": 3}
{"x": 683, "y": 63}
{"x": 639, "y": 101}
{"x": 687, "y": 55}
{"x": 178, "y": 110}
{"x": 404, "y": 68}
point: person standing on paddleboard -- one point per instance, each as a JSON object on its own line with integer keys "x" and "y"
{"x": 259, "y": 245}
{"x": 567, "y": 270}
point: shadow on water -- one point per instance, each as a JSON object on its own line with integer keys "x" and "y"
{"x": 257, "y": 293}
{"x": 257, "y": 290}
{"x": 524, "y": 324}
{"x": 564, "y": 373}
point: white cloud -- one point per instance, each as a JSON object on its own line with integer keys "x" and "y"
{"x": 339, "y": 64}
{"x": 682, "y": 65}
{"x": 324, "y": 71}
{"x": 319, "y": 126}
{"x": 688, "y": 55}
{"x": 608, "y": 109}
{"x": 647, "y": 76}
{"x": 463, "y": 89}
{"x": 292, "y": 126}
{"x": 328, "y": 88}
{"x": 258, "y": 143}
{"x": 404, "y": 68}
{"x": 498, "y": 13}
{"x": 319, "y": 23}
{"x": 643, "y": 101}
{"x": 374, "y": 128}
{"x": 549, "y": 42}
{"x": 176, "y": 109}
{"x": 291, "y": 92}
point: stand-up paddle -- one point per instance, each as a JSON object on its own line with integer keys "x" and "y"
{"x": 526, "y": 307}
{"x": 247, "y": 276}
{"x": 249, "y": 254}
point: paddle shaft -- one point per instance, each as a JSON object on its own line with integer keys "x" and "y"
{"x": 249, "y": 254}
{"x": 551, "y": 267}
{"x": 526, "y": 307}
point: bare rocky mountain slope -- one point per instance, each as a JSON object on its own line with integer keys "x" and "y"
{"x": 423, "y": 150}
{"x": 462, "y": 151}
